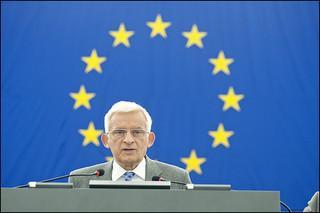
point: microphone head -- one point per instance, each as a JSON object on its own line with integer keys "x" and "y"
{"x": 157, "y": 178}
{"x": 99, "y": 172}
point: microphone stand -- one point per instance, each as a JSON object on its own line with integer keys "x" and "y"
{"x": 56, "y": 178}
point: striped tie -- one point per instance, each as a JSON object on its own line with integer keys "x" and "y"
{"x": 128, "y": 176}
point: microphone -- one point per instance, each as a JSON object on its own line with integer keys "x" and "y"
{"x": 158, "y": 178}
{"x": 97, "y": 173}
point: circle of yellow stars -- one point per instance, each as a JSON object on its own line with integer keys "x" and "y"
{"x": 194, "y": 38}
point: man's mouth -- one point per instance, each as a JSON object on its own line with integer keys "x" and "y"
{"x": 129, "y": 149}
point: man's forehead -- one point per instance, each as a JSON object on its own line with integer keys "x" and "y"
{"x": 128, "y": 118}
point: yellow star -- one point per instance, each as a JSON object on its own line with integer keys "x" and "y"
{"x": 221, "y": 136}
{"x": 193, "y": 162}
{"x": 221, "y": 63}
{"x": 108, "y": 159}
{"x": 93, "y": 62}
{"x": 231, "y": 100}
{"x": 82, "y": 98}
{"x": 121, "y": 36}
{"x": 90, "y": 135}
{"x": 158, "y": 27}
{"x": 194, "y": 37}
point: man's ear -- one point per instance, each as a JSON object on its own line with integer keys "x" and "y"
{"x": 151, "y": 139}
{"x": 105, "y": 140}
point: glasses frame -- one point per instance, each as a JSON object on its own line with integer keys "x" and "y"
{"x": 126, "y": 133}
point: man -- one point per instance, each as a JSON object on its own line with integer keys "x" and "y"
{"x": 128, "y": 136}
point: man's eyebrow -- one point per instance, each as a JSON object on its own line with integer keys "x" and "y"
{"x": 129, "y": 128}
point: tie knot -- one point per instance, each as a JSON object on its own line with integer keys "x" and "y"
{"x": 128, "y": 176}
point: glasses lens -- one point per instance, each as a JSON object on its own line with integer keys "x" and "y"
{"x": 137, "y": 133}
{"x": 121, "y": 133}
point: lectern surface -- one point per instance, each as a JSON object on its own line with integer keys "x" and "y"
{"x": 137, "y": 200}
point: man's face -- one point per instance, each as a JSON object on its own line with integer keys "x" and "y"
{"x": 129, "y": 149}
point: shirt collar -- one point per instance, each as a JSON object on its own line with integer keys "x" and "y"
{"x": 118, "y": 171}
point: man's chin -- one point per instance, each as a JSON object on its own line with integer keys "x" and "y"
{"x": 129, "y": 158}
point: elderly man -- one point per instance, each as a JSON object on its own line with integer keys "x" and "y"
{"x": 128, "y": 136}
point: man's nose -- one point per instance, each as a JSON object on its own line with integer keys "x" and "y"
{"x": 128, "y": 138}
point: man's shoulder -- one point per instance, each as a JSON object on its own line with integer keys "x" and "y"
{"x": 169, "y": 167}
{"x": 89, "y": 169}
{"x": 169, "y": 172}
{"x": 83, "y": 181}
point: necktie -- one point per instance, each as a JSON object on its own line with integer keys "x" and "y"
{"x": 128, "y": 176}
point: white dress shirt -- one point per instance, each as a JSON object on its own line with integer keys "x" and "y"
{"x": 118, "y": 171}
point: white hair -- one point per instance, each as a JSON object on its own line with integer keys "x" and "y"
{"x": 126, "y": 106}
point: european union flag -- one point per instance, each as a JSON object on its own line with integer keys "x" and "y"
{"x": 232, "y": 88}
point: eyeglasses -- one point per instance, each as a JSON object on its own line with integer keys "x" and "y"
{"x": 121, "y": 133}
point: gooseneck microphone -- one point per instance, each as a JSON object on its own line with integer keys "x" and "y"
{"x": 158, "y": 178}
{"x": 97, "y": 173}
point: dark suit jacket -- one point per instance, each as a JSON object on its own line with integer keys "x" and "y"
{"x": 153, "y": 168}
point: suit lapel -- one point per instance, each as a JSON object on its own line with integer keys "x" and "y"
{"x": 152, "y": 169}
{"x": 108, "y": 168}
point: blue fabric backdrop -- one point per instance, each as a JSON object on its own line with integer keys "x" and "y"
{"x": 263, "y": 137}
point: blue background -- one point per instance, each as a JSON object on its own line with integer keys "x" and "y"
{"x": 275, "y": 47}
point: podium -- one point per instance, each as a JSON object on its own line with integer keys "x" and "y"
{"x": 137, "y": 200}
